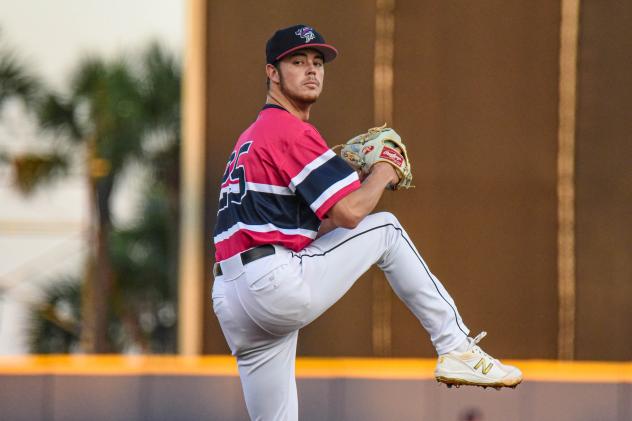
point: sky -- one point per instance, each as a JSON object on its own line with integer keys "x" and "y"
{"x": 52, "y": 34}
{"x": 42, "y": 237}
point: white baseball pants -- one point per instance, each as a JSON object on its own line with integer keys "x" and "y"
{"x": 262, "y": 305}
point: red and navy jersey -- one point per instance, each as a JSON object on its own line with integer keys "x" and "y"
{"x": 280, "y": 181}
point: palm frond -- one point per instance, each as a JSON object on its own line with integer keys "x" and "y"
{"x": 55, "y": 325}
{"x": 16, "y": 80}
{"x": 87, "y": 79}
{"x": 162, "y": 80}
{"x": 60, "y": 115}
{"x": 31, "y": 170}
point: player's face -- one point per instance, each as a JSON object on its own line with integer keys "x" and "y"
{"x": 301, "y": 76}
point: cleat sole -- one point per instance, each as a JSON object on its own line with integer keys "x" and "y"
{"x": 460, "y": 382}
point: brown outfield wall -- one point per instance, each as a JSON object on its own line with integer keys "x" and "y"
{"x": 604, "y": 182}
{"x": 475, "y": 96}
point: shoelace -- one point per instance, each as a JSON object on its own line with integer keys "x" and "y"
{"x": 477, "y": 349}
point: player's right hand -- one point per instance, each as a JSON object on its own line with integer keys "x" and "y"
{"x": 386, "y": 168}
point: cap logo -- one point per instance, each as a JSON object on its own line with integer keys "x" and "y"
{"x": 306, "y": 33}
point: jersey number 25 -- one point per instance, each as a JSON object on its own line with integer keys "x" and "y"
{"x": 233, "y": 187}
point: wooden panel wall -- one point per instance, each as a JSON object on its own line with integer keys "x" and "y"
{"x": 476, "y": 98}
{"x": 604, "y": 182}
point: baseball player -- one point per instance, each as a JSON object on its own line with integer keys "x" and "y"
{"x": 294, "y": 232}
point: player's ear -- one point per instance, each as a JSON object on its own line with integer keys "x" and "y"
{"x": 273, "y": 73}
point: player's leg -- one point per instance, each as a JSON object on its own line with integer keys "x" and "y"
{"x": 335, "y": 261}
{"x": 268, "y": 380}
{"x": 265, "y": 361}
{"x": 332, "y": 264}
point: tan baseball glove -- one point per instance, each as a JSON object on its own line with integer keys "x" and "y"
{"x": 379, "y": 144}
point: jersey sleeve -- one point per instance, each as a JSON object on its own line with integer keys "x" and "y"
{"x": 317, "y": 174}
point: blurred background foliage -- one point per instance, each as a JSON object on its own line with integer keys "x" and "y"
{"x": 142, "y": 311}
{"x": 112, "y": 114}
{"x": 16, "y": 81}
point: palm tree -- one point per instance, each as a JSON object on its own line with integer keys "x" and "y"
{"x": 101, "y": 112}
{"x": 115, "y": 112}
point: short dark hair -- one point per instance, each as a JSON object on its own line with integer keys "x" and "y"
{"x": 277, "y": 65}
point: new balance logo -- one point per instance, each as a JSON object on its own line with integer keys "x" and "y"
{"x": 485, "y": 369}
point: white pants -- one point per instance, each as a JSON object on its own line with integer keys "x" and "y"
{"x": 262, "y": 305}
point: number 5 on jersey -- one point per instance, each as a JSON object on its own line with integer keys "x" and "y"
{"x": 233, "y": 187}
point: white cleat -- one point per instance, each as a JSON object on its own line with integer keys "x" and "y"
{"x": 475, "y": 367}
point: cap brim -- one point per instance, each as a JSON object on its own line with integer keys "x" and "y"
{"x": 328, "y": 51}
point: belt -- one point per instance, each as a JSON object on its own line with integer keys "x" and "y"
{"x": 249, "y": 256}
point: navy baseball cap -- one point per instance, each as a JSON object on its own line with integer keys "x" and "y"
{"x": 286, "y": 40}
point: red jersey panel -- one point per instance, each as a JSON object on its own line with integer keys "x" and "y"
{"x": 280, "y": 181}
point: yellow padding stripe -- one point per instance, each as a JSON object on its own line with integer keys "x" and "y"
{"x": 369, "y": 368}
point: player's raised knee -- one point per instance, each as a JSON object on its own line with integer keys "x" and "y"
{"x": 387, "y": 218}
